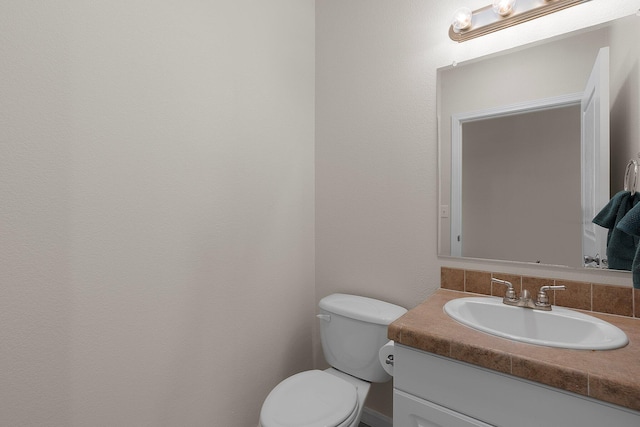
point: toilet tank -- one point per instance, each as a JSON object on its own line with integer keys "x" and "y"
{"x": 352, "y": 331}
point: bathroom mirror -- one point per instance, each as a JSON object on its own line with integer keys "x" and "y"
{"x": 511, "y": 127}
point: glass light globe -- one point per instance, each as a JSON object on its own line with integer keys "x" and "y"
{"x": 462, "y": 19}
{"x": 503, "y": 7}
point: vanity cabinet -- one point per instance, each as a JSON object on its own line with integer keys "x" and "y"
{"x": 431, "y": 390}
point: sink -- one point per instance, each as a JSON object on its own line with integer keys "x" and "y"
{"x": 560, "y": 327}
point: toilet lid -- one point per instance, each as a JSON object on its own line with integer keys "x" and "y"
{"x": 311, "y": 399}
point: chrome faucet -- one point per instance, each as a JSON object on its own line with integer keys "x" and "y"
{"x": 510, "y": 295}
{"x": 525, "y": 300}
{"x": 543, "y": 299}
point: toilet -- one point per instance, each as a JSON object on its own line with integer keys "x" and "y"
{"x": 353, "y": 329}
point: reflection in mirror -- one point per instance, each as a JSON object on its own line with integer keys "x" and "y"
{"x": 518, "y": 173}
{"x": 500, "y": 155}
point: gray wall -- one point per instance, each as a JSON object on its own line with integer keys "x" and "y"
{"x": 521, "y": 187}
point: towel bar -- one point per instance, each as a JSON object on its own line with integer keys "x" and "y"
{"x": 631, "y": 188}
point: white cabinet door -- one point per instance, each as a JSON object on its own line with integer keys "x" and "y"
{"x": 497, "y": 399}
{"x": 410, "y": 411}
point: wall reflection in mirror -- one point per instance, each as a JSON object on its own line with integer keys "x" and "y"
{"x": 526, "y": 160}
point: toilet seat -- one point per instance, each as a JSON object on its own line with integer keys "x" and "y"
{"x": 311, "y": 399}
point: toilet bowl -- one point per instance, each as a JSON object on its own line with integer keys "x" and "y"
{"x": 353, "y": 329}
{"x": 315, "y": 399}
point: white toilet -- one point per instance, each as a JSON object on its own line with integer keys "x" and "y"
{"x": 352, "y": 331}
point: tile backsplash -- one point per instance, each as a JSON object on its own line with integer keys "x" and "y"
{"x": 580, "y": 295}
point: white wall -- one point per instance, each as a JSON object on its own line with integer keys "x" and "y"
{"x": 625, "y": 106}
{"x": 376, "y": 155}
{"x": 376, "y": 142}
{"x": 156, "y": 178}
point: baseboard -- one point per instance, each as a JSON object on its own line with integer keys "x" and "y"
{"x": 375, "y": 419}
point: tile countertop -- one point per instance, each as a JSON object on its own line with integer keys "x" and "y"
{"x": 609, "y": 375}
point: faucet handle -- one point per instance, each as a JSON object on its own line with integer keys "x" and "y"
{"x": 510, "y": 294}
{"x": 543, "y": 298}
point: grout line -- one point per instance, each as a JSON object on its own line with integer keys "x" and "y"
{"x": 464, "y": 280}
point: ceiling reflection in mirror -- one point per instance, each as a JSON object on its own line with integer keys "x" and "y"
{"x": 510, "y": 175}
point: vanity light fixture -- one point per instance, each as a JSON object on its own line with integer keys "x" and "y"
{"x": 502, "y": 14}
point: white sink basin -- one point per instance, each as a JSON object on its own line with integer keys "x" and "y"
{"x": 560, "y": 327}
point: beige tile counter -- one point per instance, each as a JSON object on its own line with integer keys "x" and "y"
{"x": 610, "y": 375}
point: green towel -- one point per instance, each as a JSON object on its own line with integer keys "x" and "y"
{"x": 630, "y": 224}
{"x": 621, "y": 246}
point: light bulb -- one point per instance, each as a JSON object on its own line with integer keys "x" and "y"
{"x": 462, "y": 19}
{"x": 503, "y": 7}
